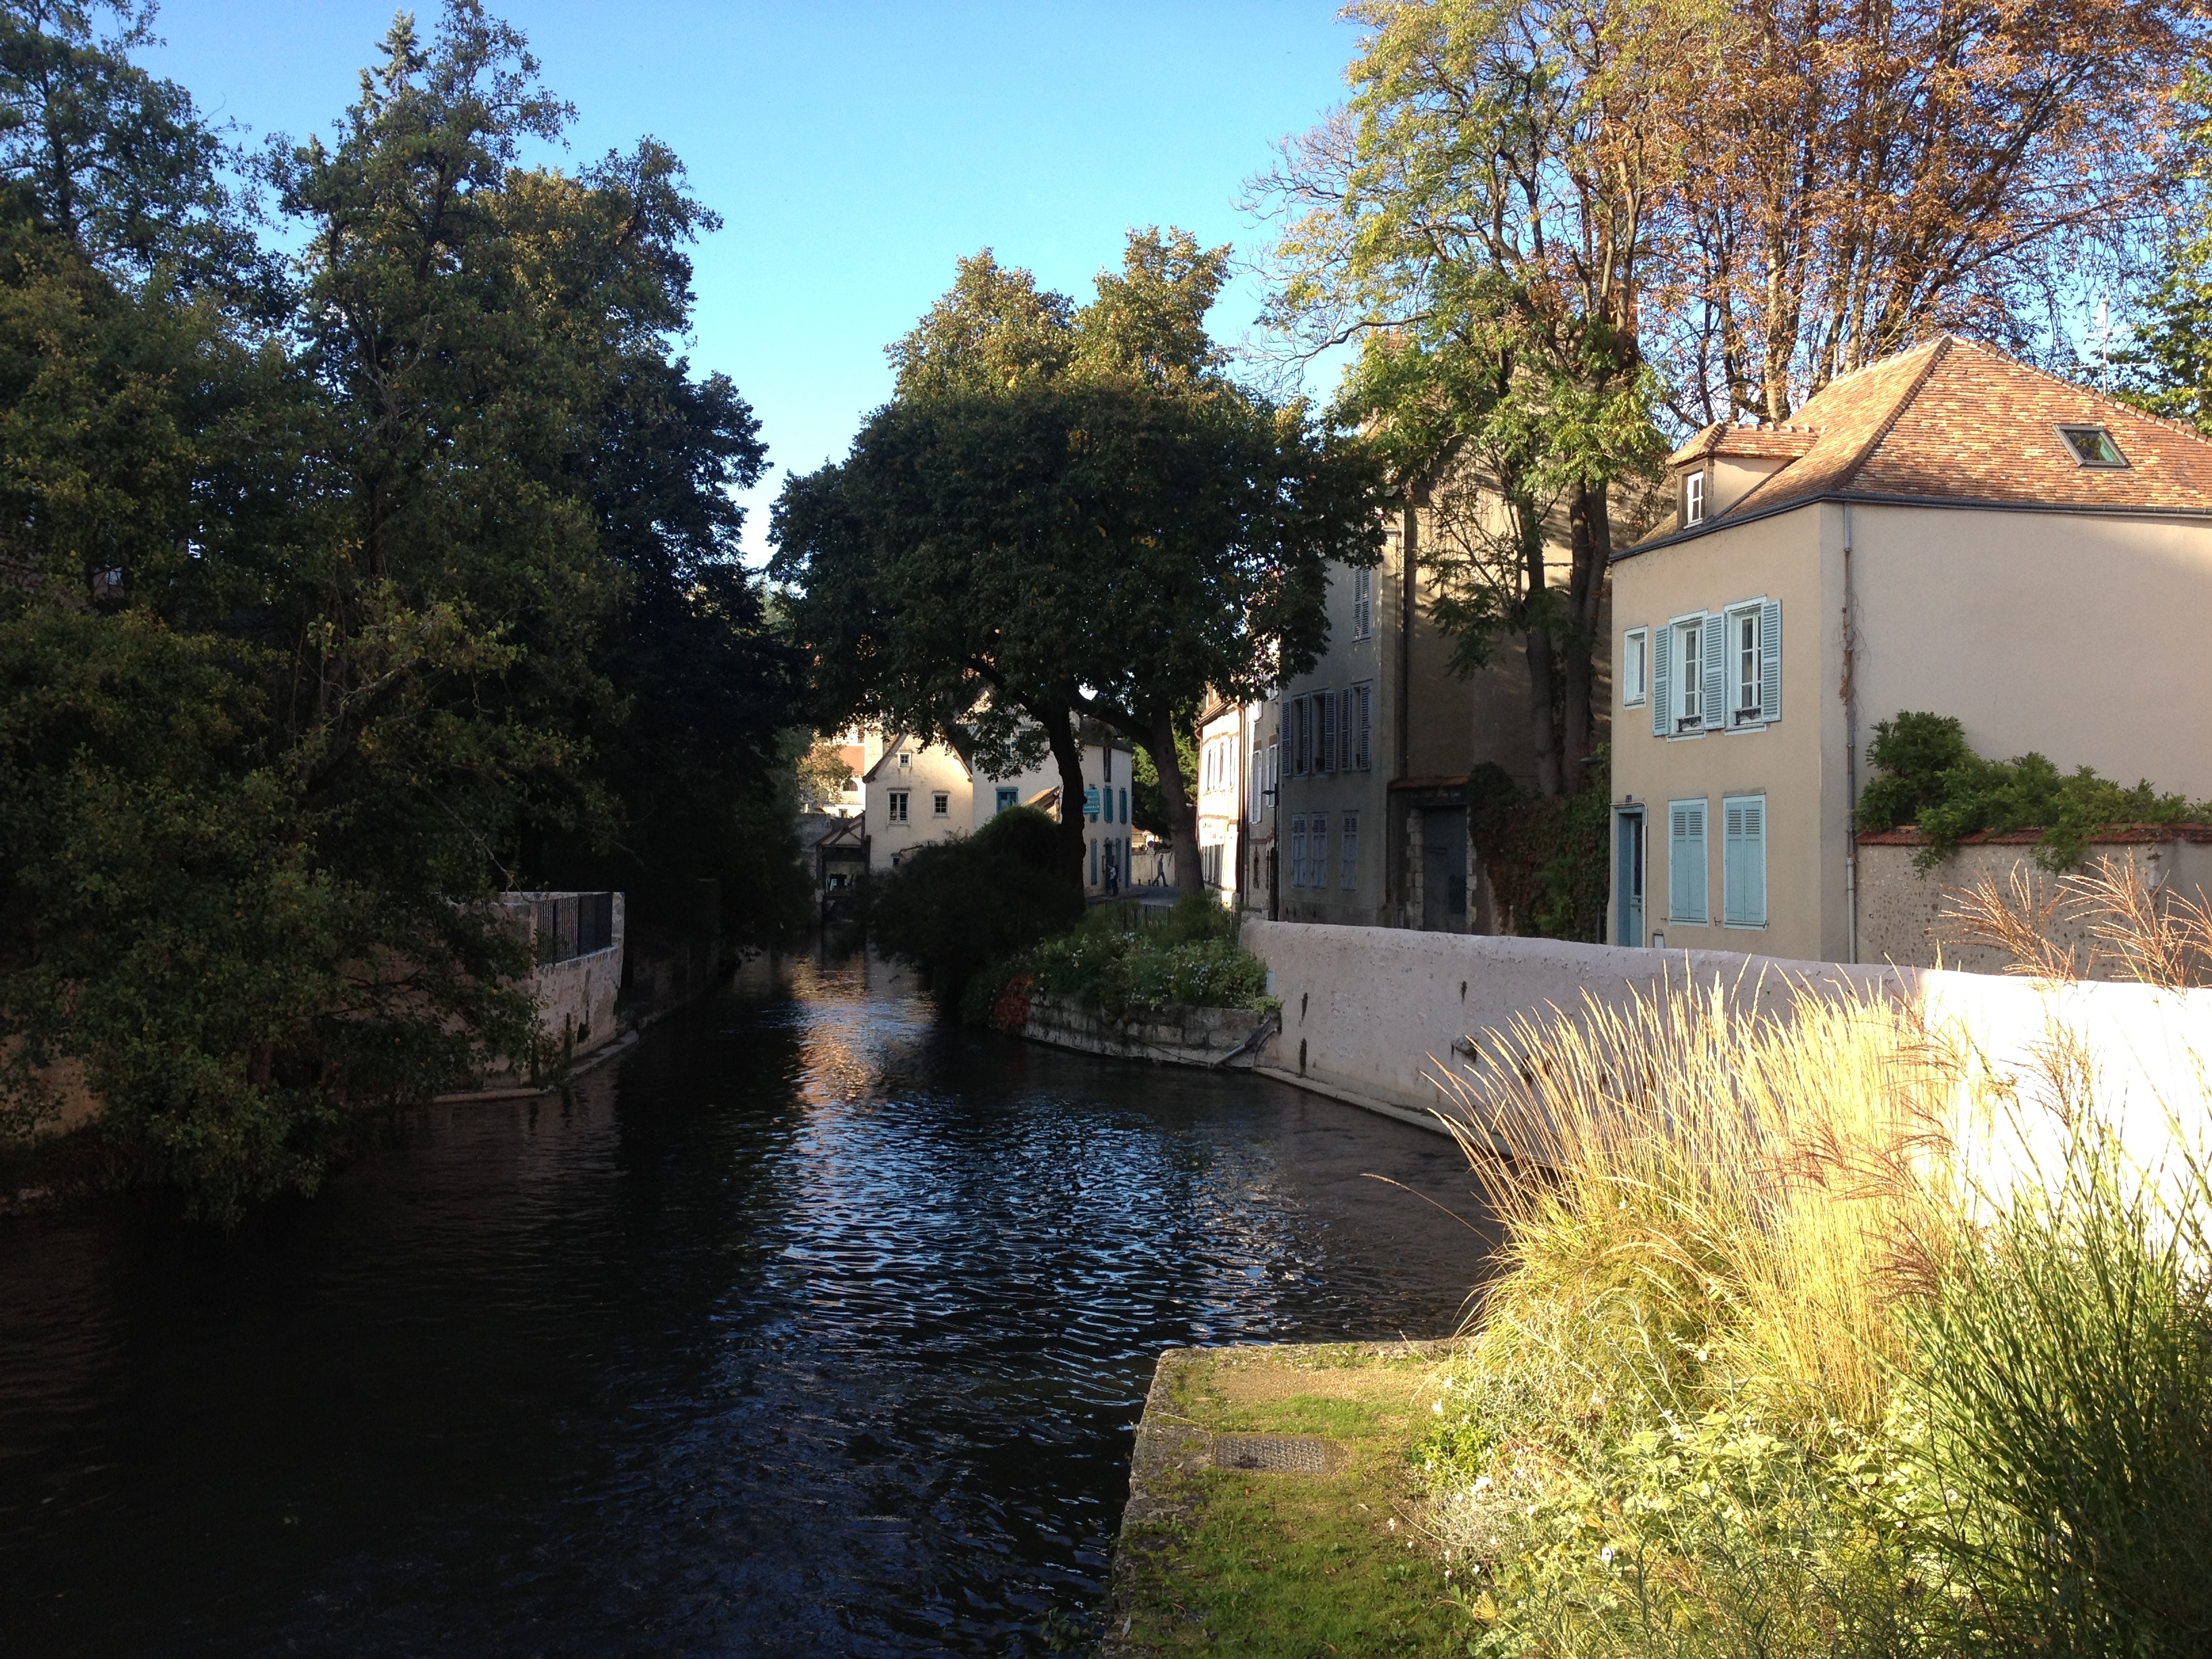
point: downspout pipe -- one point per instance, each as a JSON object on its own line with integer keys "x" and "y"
{"x": 1849, "y": 695}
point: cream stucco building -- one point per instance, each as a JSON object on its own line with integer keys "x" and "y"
{"x": 916, "y": 792}
{"x": 1948, "y": 529}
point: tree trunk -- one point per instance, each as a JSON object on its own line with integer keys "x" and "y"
{"x": 1175, "y": 805}
{"x": 1543, "y": 679}
{"x": 1592, "y": 544}
{"x": 1067, "y": 751}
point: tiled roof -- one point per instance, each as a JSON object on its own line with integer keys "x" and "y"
{"x": 1765, "y": 442}
{"x": 1955, "y": 420}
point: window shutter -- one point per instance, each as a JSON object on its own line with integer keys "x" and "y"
{"x": 1662, "y": 681}
{"x": 1715, "y": 701}
{"x": 1769, "y": 660}
{"x": 1366, "y": 728}
{"x": 1678, "y": 862}
{"x": 1743, "y": 861}
{"x": 1325, "y": 744}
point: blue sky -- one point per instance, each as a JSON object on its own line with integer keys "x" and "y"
{"x": 856, "y": 150}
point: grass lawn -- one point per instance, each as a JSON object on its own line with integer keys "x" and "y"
{"x": 1234, "y": 1560}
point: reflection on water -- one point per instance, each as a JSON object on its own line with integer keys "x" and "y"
{"x": 808, "y": 1326}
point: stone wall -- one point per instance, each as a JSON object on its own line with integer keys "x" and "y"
{"x": 1181, "y": 1036}
{"x": 1901, "y": 907}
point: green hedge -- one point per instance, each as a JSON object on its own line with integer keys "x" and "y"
{"x": 1119, "y": 959}
{"x": 1926, "y": 776}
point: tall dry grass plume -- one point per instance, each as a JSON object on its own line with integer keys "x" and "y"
{"x": 1726, "y": 1191}
{"x": 2129, "y": 927}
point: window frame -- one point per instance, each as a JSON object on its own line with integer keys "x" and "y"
{"x": 1739, "y": 718}
{"x": 940, "y": 803}
{"x": 1298, "y": 849}
{"x": 1636, "y": 648}
{"x": 1693, "y": 497}
{"x": 898, "y": 805}
{"x": 1007, "y": 798}
{"x": 1686, "y": 685}
{"x": 2067, "y": 432}
{"x": 1347, "y": 855}
{"x": 1363, "y": 603}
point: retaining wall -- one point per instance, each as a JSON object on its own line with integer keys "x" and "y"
{"x": 1181, "y": 1036}
{"x": 1379, "y": 1016}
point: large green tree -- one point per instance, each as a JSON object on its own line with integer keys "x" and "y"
{"x": 332, "y": 603}
{"x": 1072, "y": 513}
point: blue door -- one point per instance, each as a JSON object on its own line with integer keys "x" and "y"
{"x": 1628, "y": 875}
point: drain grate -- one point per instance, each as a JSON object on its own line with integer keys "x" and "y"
{"x": 1274, "y": 1454}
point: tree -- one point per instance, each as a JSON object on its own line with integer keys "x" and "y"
{"x": 329, "y": 610}
{"x": 1107, "y": 528}
{"x": 1851, "y": 181}
{"x": 1483, "y": 218}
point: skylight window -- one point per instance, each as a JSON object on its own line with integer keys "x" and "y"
{"x": 2091, "y": 445}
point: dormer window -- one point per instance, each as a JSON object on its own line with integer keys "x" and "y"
{"x": 1693, "y": 498}
{"x": 2091, "y": 445}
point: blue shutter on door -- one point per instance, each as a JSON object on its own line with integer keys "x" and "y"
{"x": 1769, "y": 660}
{"x": 1715, "y": 664}
{"x": 1663, "y": 679}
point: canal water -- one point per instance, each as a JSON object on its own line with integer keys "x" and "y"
{"x": 807, "y": 1327}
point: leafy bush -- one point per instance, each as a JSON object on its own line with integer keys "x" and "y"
{"x": 955, "y": 907}
{"x": 1117, "y": 961}
{"x": 1546, "y": 856}
{"x": 1927, "y": 776}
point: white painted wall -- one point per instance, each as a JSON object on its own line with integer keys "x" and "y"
{"x": 1373, "y": 1014}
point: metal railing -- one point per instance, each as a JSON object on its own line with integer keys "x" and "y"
{"x": 572, "y": 925}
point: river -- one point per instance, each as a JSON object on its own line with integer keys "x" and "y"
{"x": 809, "y": 1326}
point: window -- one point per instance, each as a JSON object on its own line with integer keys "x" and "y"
{"x": 1686, "y": 861}
{"x": 1108, "y": 774}
{"x": 1317, "y": 849}
{"x": 1693, "y": 498}
{"x": 1754, "y": 663}
{"x": 1094, "y": 864}
{"x": 1274, "y": 774}
{"x": 1209, "y": 865}
{"x": 1743, "y": 861}
{"x": 897, "y": 805}
{"x": 1302, "y": 741}
{"x": 2091, "y": 445}
{"x": 940, "y": 805}
{"x": 1689, "y": 675}
{"x": 1256, "y": 786}
{"x": 1358, "y": 718}
{"x": 906, "y": 761}
{"x": 1006, "y": 798}
{"x": 1363, "y": 603}
{"x": 1633, "y": 667}
{"x": 1091, "y": 804}
{"x": 1298, "y": 850}
{"x": 1125, "y": 806}
{"x": 1325, "y": 732}
{"x": 1347, "y": 852}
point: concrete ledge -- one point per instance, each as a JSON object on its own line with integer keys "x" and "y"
{"x": 583, "y": 1063}
{"x": 1174, "y": 1036}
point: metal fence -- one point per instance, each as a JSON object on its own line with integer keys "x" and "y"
{"x": 572, "y": 925}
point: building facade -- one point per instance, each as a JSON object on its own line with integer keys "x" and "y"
{"x": 915, "y": 794}
{"x": 1949, "y": 531}
{"x": 1356, "y": 773}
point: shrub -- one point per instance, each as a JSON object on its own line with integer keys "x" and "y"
{"x": 1546, "y": 856}
{"x": 955, "y": 907}
{"x": 1927, "y": 776}
{"x": 1119, "y": 959}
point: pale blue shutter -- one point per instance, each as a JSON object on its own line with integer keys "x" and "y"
{"x": 1769, "y": 660}
{"x": 1662, "y": 680}
{"x": 1715, "y": 666}
{"x": 1686, "y": 861}
{"x": 1743, "y": 861}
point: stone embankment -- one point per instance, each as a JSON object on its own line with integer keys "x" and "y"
{"x": 1176, "y": 1035}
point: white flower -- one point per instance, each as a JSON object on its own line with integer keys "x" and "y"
{"x": 1605, "y": 1555}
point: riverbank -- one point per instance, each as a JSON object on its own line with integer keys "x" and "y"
{"x": 1273, "y": 1507}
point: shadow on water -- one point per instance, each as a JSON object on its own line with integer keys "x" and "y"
{"x": 811, "y": 1326}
